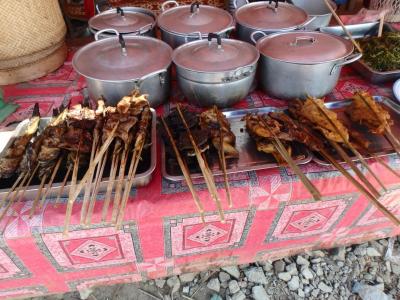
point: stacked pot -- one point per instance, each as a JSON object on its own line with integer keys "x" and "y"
{"x": 210, "y": 68}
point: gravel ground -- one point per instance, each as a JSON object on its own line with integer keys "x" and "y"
{"x": 369, "y": 271}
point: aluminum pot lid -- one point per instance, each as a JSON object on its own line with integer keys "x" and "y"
{"x": 122, "y": 20}
{"x": 217, "y": 55}
{"x": 270, "y": 15}
{"x": 306, "y": 47}
{"x": 186, "y": 19}
{"x": 106, "y": 60}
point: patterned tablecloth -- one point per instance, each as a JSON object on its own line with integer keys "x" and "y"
{"x": 273, "y": 214}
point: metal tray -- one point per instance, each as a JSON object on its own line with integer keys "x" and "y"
{"x": 145, "y": 168}
{"x": 356, "y": 30}
{"x": 379, "y": 145}
{"x": 361, "y": 31}
{"x": 249, "y": 158}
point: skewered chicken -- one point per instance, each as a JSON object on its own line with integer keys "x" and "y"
{"x": 257, "y": 124}
{"x": 308, "y": 112}
{"x": 216, "y": 123}
{"x": 10, "y": 161}
{"x": 365, "y": 110}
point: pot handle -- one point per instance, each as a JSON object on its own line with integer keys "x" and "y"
{"x": 145, "y": 28}
{"x": 211, "y": 36}
{"x": 348, "y": 60}
{"x": 102, "y": 3}
{"x": 96, "y": 36}
{"x": 196, "y": 34}
{"x": 253, "y": 35}
{"x": 223, "y": 31}
{"x": 303, "y": 26}
{"x": 163, "y": 6}
{"x": 235, "y": 5}
{"x": 138, "y": 82}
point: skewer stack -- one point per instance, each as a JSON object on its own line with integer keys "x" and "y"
{"x": 181, "y": 128}
{"x": 74, "y": 140}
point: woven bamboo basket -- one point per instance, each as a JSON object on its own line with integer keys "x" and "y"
{"x": 32, "y": 39}
{"x": 392, "y": 5}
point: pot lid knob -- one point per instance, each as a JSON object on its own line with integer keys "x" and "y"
{"x": 120, "y": 11}
{"x": 211, "y": 36}
{"x": 193, "y": 6}
{"x": 275, "y": 8}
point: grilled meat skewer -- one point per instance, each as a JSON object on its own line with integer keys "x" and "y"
{"x": 10, "y": 161}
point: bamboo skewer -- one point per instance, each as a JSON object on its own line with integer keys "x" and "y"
{"x": 110, "y": 185}
{"x": 120, "y": 183}
{"x": 28, "y": 177}
{"x": 49, "y": 185}
{"x": 38, "y": 195}
{"x": 282, "y": 151}
{"x": 136, "y": 156}
{"x": 96, "y": 160}
{"x": 381, "y": 23}
{"x": 348, "y": 144}
{"x": 63, "y": 185}
{"x": 360, "y": 175}
{"x": 185, "y": 171}
{"x": 88, "y": 187}
{"x": 128, "y": 185}
{"x": 343, "y": 26}
{"x": 221, "y": 155}
{"x": 93, "y": 199}
{"x": 203, "y": 167}
{"x": 361, "y": 188}
{"x": 20, "y": 177}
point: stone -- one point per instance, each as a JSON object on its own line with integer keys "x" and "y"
{"x": 294, "y": 283}
{"x": 302, "y": 261}
{"x": 256, "y": 275}
{"x": 301, "y": 293}
{"x": 377, "y": 246}
{"x": 395, "y": 269}
{"x": 223, "y": 277}
{"x": 307, "y": 273}
{"x": 360, "y": 251}
{"x": 233, "y": 287}
{"x": 316, "y": 260}
{"x": 259, "y": 293}
{"x": 339, "y": 253}
{"x": 160, "y": 283}
{"x": 315, "y": 293}
{"x": 239, "y": 296}
{"x": 292, "y": 269}
{"x": 187, "y": 277}
{"x": 267, "y": 267}
{"x": 243, "y": 284}
{"x": 372, "y": 252}
{"x": 214, "y": 285}
{"x": 340, "y": 264}
{"x": 279, "y": 266}
{"x": 318, "y": 253}
{"x": 172, "y": 281}
{"x": 232, "y": 270}
{"x": 215, "y": 297}
{"x": 324, "y": 288}
{"x": 368, "y": 277}
{"x": 285, "y": 276}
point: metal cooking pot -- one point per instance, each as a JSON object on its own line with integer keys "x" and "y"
{"x": 128, "y": 21}
{"x": 268, "y": 18}
{"x": 317, "y": 9}
{"x": 302, "y": 63}
{"x": 184, "y": 23}
{"x": 115, "y": 66}
{"x": 215, "y": 71}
